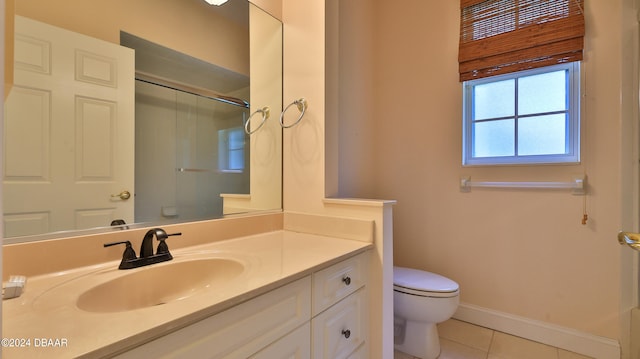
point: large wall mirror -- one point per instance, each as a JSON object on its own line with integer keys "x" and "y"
{"x": 140, "y": 112}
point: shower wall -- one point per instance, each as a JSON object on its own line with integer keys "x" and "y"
{"x": 179, "y": 171}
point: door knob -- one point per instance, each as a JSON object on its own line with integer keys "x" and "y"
{"x": 124, "y": 195}
{"x": 630, "y": 239}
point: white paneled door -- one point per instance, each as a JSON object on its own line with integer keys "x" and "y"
{"x": 69, "y": 132}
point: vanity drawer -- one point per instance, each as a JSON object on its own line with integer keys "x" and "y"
{"x": 338, "y": 281}
{"x": 239, "y": 331}
{"x": 340, "y": 330}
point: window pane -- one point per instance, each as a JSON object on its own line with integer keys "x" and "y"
{"x": 236, "y": 139}
{"x": 542, "y": 135}
{"x": 493, "y": 138}
{"x": 236, "y": 160}
{"x": 494, "y": 100}
{"x": 542, "y": 93}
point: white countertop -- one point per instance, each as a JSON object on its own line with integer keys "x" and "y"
{"x": 45, "y": 323}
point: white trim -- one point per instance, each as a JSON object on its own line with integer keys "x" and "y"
{"x": 565, "y": 338}
{"x": 363, "y": 202}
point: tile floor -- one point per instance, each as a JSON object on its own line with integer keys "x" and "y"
{"x": 460, "y": 340}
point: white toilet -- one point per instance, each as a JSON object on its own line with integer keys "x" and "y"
{"x": 420, "y": 301}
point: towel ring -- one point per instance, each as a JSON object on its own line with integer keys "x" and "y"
{"x": 265, "y": 115}
{"x": 302, "y": 107}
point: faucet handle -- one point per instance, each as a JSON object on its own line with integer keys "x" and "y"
{"x": 128, "y": 254}
{"x": 120, "y": 223}
{"x": 162, "y": 246}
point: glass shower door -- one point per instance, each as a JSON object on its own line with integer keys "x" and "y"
{"x": 211, "y": 155}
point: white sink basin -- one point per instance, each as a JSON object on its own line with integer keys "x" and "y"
{"x": 158, "y": 284}
{"x": 106, "y": 289}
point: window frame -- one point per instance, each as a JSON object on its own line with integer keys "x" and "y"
{"x": 573, "y": 131}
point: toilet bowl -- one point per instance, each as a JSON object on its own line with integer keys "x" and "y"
{"x": 420, "y": 301}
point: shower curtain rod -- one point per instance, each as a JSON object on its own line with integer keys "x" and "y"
{"x": 194, "y": 90}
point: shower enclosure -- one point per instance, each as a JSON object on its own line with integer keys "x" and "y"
{"x": 189, "y": 150}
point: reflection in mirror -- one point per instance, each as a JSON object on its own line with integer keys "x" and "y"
{"x": 192, "y": 158}
{"x": 190, "y": 144}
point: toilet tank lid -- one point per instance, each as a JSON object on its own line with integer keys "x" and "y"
{"x": 422, "y": 280}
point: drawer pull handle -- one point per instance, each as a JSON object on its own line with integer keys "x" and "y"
{"x": 346, "y": 333}
{"x": 347, "y": 280}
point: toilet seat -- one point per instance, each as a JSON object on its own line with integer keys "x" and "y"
{"x": 422, "y": 283}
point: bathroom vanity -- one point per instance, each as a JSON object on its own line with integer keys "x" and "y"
{"x": 329, "y": 303}
{"x": 278, "y": 294}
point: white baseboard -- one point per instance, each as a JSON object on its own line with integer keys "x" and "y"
{"x": 569, "y": 339}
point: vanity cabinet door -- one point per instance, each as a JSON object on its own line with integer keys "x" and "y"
{"x": 295, "y": 345}
{"x": 360, "y": 353}
{"x": 336, "y": 282}
{"x": 238, "y": 332}
{"x": 341, "y": 329}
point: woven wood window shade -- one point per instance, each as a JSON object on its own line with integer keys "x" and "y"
{"x": 502, "y": 36}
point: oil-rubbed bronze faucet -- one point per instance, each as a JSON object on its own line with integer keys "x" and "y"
{"x": 129, "y": 259}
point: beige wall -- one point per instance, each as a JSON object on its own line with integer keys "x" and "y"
{"x": 8, "y": 41}
{"x": 185, "y": 26}
{"x": 304, "y": 74}
{"x": 266, "y": 91}
{"x": 353, "y": 137}
{"x": 521, "y": 252}
{"x": 273, "y": 7}
{"x": 314, "y": 69}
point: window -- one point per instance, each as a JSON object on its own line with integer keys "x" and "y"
{"x": 524, "y": 117}
{"x": 231, "y": 149}
{"x": 519, "y": 62}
